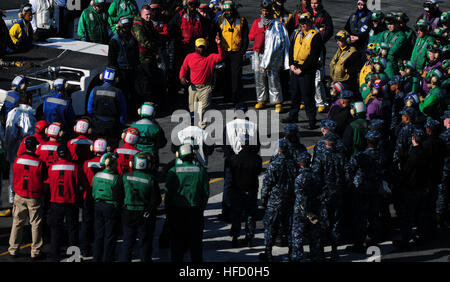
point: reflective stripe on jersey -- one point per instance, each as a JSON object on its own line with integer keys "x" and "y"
{"x": 49, "y": 147}
{"x": 57, "y": 101}
{"x": 94, "y": 164}
{"x": 63, "y": 167}
{"x": 144, "y": 121}
{"x": 137, "y": 179}
{"x": 188, "y": 169}
{"x": 126, "y": 151}
{"x": 106, "y": 93}
{"x": 81, "y": 141}
{"x": 27, "y": 162}
{"x": 106, "y": 176}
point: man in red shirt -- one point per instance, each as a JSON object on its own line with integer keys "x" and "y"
{"x": 65, "y": 177}
{"x": 28, "y": 176}
{"x": 128, "y": 150}
{"x": 39, "y": 134}
{"x": 200, "y": 68}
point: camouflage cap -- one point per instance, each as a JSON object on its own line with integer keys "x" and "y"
{"x": 330, "y": 136}
{"x": 408, "y": 111}
{"x": 432, "y": 124}
{"x": 304, "y": 157}
{"x": 446, "y": 115}
{"x": 376, "y": 124}
{"x": 283, "y": 145}
{"x": 328, "y": 124}
{"x": 346, "y": 94}
{"x": 418, "y": 133}
{"x": 373, "y": 135}
{"x": 290, "y": 128}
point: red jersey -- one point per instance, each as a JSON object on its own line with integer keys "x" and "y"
{"x": 257, "y": 34}
{"x": 27, "y": 176}
{"x": 80, "y": 149}
{"x": 64, "y": 178}
{"x": 47, "y": 152}
{"x": 126, "y": 154}
{"x": 22, "y": 148}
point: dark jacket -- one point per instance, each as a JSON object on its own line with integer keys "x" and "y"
{"x": 416, "y": 171}
{"x": 436, "y": 150}
{"x": 245, "y": 169}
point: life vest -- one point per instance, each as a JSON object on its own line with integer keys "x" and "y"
{"x": 190, "y": 29}
{"x": 11, "y": 101}
{"x": 337, "y": 69}
{"x": 161, "y": 27}
{"x": 126, "y": 51}
{"x": 63, "y": 180}
{"x": 258, "y": 45}
{"x": 126, "y": 153}
{"x": 47, "y": 152}
{"x": 138, "y": 186}
{"x": 105, "y": 102}
{"x": 102, "y": 186}
{"x": 359, "y": 127}
{"x": 27, "y": 180}
{"x": 26, "y": 39}
{"x": 231, "y": 34}
{"x": 79, "y": 148}
{"x": 302, "y": 45}
{"x": 365, "y": 70}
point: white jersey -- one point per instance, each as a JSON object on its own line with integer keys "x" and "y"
{"x": 236, "y": 131}
{"x": 199, "y": 135}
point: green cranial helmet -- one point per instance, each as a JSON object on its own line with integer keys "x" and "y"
{"x": 379, "y": 61}
{"x": 445, "y": 18}
{"x": 147, "y": 110}
{"x": 108, "y": 159}
{"x": 140, "y": 161}
{"x": 186, "y": 150}
{"x": 434, "y": 76}
{"x": 439, "y": 32}
{"x": 402, "y": 17}
{"x": 446, "y": 64}
{"x": 422, "y": 25}
{"x": 377, "y": 16}
{"x": 390, "y": 18}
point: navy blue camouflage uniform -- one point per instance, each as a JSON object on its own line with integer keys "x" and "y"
{"x": 330, "y": 167}
{"x": 366, "y": 170}
{"x": 443, "y": 202}
{"x": 278, "y": 192}
{"x": 309, "y": 204}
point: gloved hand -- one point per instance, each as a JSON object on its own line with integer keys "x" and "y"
{"x": 312, "y": 218}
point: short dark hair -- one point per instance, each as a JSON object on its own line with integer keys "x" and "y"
{"x": 25, "y": 98}
{"x": 145, "y": 7}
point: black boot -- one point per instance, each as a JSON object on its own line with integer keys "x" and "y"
{"x": 267, "y": 255}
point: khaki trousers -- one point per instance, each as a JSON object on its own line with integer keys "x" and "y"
{"x": 23, "y": 209}
{"x": 200, "y": 100}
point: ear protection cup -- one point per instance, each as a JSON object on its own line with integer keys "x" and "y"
{"x": 54, "y": 130}
{"x": 82, "y": 126}
{"x": 19, "y": 83}
{"x": 66, "y": 84}
{"x": 434, "y": 80}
